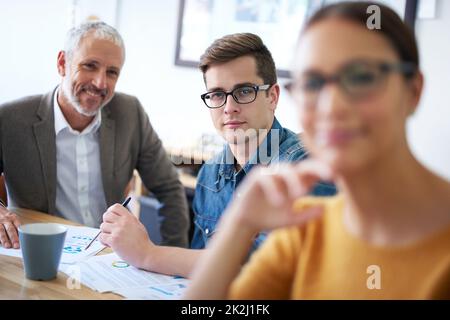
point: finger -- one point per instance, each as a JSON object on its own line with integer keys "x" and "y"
{"x": 316, "y": 169}
{"x": 274, "y": 189}
{"x": 302, "y": 178}
{"x": 106, "y": 227}
{"x": 4, "y": 240}
{"x": 118, "y": 209}
{"x": 295, "y": 187}
{"x": 109, "y": 217}
{"x": 12, "y": 234}
{"x": 16, "y": 221}
{"x": 105, "y": 239}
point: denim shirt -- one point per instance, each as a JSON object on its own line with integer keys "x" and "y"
{"x": 217, "y": 180}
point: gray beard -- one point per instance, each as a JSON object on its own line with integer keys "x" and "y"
{"x": 75, "y": 103}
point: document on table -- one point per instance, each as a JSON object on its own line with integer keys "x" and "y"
{"x": 10, "y": 252}
{"x": 109, "y": 272}
{"x": 77, "y": 238}
{"x": 173, "y": 291}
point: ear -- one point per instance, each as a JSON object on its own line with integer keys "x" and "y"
{"x": 61, "y": 63}
{"x": 416, "y": 91}
{"x": 274, "y": 95}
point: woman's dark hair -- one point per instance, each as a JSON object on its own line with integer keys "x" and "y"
{"x": 392, "y": 26}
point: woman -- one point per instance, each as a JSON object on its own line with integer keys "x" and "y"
{"x": 387, "y": 234}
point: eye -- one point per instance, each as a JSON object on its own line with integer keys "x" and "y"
{"x": 360, "y": 77}
{"x": 89, "y": 65}
{"x": 215, "y": 96}
{"x": 113, "y": 73}
{"x": 312, "y": 83}
{"x": 244, "y": 91}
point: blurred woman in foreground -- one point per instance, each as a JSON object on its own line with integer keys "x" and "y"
{"x": 387, "y": 234}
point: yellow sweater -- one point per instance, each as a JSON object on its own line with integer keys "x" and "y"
{"x": 323, "y": 261}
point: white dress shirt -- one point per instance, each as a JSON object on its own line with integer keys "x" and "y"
{"x": 79, "y": 191}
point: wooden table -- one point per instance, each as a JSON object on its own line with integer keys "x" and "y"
{"x": 14, "y": 285}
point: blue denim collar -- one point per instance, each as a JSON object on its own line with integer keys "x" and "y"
{"x": 226, "y": 166}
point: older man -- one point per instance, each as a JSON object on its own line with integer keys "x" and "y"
{"x": 72, "y": 152}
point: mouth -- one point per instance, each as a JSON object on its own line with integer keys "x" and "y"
{"x": 233, "y": 124}
{"x": 93, "y": 92}
{"x": 336, "y": 137}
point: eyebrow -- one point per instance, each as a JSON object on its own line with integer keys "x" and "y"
{"x": 96, "y": 62}
{"x": 114, "y": 69}
{"x": 238, "y": 85}
{"x": 311, "y": 71}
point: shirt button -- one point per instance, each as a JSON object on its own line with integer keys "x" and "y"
{"x": 207, "y": 231}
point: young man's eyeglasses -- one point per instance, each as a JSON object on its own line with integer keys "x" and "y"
{"x": 357, "y": 79}
{"x": 242, "y": 95}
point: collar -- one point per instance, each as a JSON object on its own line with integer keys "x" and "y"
{"x": 226, "y": 166}
{"x": 61, "y": 122}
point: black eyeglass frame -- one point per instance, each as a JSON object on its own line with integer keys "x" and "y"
{"x": 263, "y": 87}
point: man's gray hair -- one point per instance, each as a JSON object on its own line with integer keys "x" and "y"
{"x": 99, "y": 29}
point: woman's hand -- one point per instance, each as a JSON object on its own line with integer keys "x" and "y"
{"x": 266, "y": 199}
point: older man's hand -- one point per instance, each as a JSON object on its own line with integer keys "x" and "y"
{"x": 9, "y": 222}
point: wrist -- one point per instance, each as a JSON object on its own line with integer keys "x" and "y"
{"x": 238, "y": 229}
{"x": 148, "y": 255}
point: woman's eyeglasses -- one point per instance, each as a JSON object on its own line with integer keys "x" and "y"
{"x": 357, "y": 79}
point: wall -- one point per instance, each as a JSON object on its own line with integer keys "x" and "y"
{"x": 32, "y": 32}
{"x": 429, "y": 128}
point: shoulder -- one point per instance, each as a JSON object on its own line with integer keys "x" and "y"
{"x": 126, "y": 109}
{"x": 210, "y": 167}
{"x": 25, "y": 104}
{"x": 121, "y": 100}
{"x": 216, "y": 158}
{"x": 291, "y": 147}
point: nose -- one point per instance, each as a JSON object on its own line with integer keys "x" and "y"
{"x": 231, "y": 106}
{"x": 331, "y": 101}
{"x": 100, "y": 80}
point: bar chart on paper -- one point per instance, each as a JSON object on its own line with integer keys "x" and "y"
{"x": 76, "y": 243}
{"x": 77, "y": 239}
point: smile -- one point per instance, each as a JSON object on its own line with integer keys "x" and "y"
{"x": 93, "y": 92}
{"x": 336, "y": 137}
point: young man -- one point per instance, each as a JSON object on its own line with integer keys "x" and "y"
{"x": 242, "y": 95}
{"x": 72, "y": 152}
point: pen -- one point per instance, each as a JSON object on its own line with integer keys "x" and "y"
{"x": 125, "y": 203}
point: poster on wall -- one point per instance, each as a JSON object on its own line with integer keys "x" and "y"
{"x": 277, "y": 22}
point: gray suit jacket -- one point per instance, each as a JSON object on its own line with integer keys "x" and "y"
{"x": 127, "y": 142}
